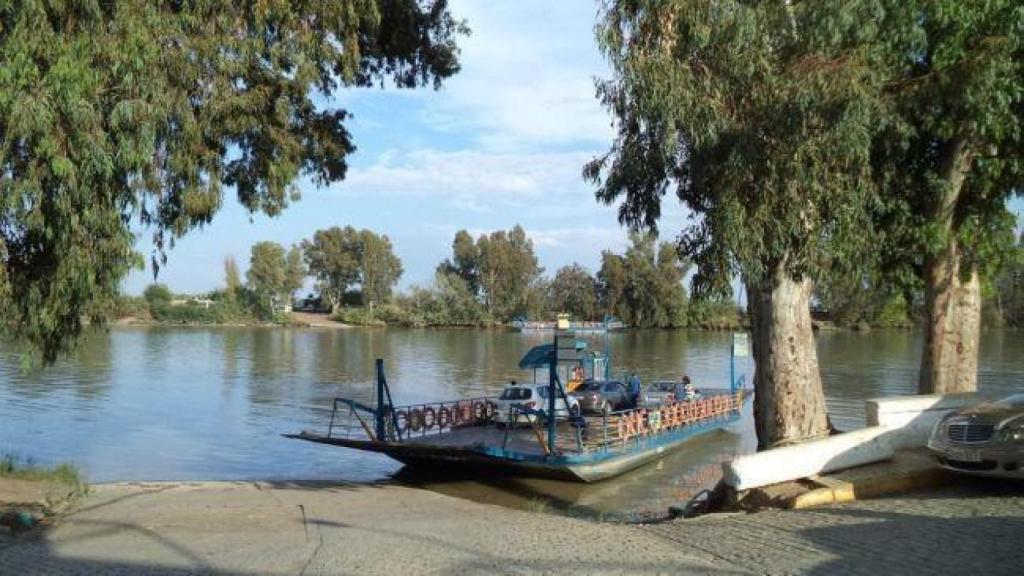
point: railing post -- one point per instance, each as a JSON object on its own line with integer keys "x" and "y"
{"x": 378, "y": 419}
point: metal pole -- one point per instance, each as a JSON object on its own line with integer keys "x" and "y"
{"x": 552, "y": 377}
{"x": 378, "y": 419}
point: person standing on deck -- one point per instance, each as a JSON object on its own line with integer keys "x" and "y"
{"x": 634, "y": 389}
{"x": 681, "y": 389}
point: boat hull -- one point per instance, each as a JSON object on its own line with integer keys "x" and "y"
{"x": 585, "y": 467}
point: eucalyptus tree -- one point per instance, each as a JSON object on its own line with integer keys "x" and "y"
{"x": 574, "y": 290}
{"x": 267, "y": 277}
{"x": 379, "y": 267}
{"x": 950, "y": 163}
{"x": 333, "y": 260}
{"x": 122, "y": 113}
{"x": 760, "y": 115}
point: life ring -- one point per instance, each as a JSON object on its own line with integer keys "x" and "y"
{"x": 490, "y": 409}
{"x": 456, "y": 415}
{"x": 416, "y": 420}
{"x": 444, "y": 417}
{"x": 478, "y": 411}
{"x": 623, "y": 429}
{"x": 630, "y": 420}
{"x": 401, "y": 420}
{"x": 429, "y": 417}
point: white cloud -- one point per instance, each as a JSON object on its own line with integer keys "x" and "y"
{"x": 472, "y": 180}
{"x": 527, "y": 77}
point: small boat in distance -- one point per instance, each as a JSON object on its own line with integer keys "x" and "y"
{"x": 464, "y": 433}
{"x": 564, "y": 323}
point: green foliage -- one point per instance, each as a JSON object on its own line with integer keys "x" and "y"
{"x": 714, "y": 314}
{"x": 644, "y": 287}
{"x": 760, "y": 115}
{"x": 120, "y": 113}
{"x": 232, "y": 278}
{"x": 857, "y": 300}
{"x": 379, "y": 267}
{"x": 267, "y": 277}
{"x": 449, "y": 302}
{"x": 157, "y": 295}
{"x": 332, "y": 257}
{"x": 956, "y": 152}
{"x": 574, "y": 290}
{"x": 339, "y": 258}
{"x": 226, "y": 311}
{"x": 1008, "y": 299}
{"x": 12, "y": 466}
{"x": 501, "y": 267}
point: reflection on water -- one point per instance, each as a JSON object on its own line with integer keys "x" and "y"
{"x": 169, "y": 404}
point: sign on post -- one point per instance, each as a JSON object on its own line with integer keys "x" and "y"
{"x": 740, "y": 345}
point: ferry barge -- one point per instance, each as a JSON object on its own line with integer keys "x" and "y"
{"x": 464, "y": 434}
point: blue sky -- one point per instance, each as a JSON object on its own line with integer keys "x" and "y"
{"x": 503, "y": 142}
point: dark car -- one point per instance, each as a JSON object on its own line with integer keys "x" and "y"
{"x": 985, "y": 439}
{"x": 602, "y": 396}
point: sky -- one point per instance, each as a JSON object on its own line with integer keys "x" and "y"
{"x": 502, "y": 143}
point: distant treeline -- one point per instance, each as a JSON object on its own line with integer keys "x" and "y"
{"x": 496, "y": 278}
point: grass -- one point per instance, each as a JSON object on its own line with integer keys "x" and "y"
{"x": 66, "y": 475}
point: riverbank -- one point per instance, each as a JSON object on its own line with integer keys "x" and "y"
{"x": 317, "y": 528}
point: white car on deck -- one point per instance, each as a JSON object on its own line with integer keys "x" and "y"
{"x": 532, "y": 397}
{"x": 986, "y": 439}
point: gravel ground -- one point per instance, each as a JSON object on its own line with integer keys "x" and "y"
{"x": 247, "y": 528}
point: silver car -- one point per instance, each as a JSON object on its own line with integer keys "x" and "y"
{"x": 986, "y": 439}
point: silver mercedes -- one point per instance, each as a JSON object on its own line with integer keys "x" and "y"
{"x": 986, "y": 439}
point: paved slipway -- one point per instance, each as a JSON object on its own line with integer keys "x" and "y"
{"x": 260, "y": 528}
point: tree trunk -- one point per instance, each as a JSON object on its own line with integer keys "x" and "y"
{"x": 789, "y": 403}
{"x": 952, "y": 325}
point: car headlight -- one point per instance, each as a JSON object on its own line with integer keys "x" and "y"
{"x": 1013, "y": 432}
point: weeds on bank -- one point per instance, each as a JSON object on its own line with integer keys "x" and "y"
{"x": 67, "y": 475}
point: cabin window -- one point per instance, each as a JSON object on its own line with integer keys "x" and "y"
{"x": 516, "y": 394}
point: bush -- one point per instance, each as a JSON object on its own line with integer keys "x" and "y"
{"x": 221, "y": 312}
{"x": 714, "y": 315}
{"x": 157, "y": 295}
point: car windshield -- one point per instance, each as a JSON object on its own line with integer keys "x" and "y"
{"x": 1014, "y": 401}
{"x": 611, "y": 386}
{"x": 664, "y": 386}
{"x": 591, "y": 386}
{"x": 516, "y": 394}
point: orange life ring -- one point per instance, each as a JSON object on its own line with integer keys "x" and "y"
{"x": 429, "y": 417}
{"x": 630, "y": 420}
{"x": 444, "y": 417}
{"x": 478, "y": 411}
{"x": 416, "y": 420}
{"x": 623, "y": 429}
{"x": 490, "y": 409}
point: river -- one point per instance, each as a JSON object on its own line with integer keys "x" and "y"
{"x": 211, "y": 403}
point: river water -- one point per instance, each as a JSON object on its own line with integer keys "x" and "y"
{"x": 211, "y": 404}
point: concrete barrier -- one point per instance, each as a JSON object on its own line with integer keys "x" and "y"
{"x": 912, "y": 418}
{"x": 809, "y": 459}
{"x": 895, "y": 423}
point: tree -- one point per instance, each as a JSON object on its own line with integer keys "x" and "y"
{"x": 295, "y": 273}
{"x": 268, "y": 276}
{"x": 232, "y": 278}
{"x": 949, "y": 165}
{"x": 644, "y": 287}
{"x": 761, "y": 115}
{"x": 120, "y": 113}
{"x": 379, "y": 267}
{"x": 1009, "y": 288}
{"x": 157, "y": 295}
{"x": 573, "y": 290}
{"x": 332, "y": 257}
{"x": 465, "y": 261}
{"x": 507, "y": 269}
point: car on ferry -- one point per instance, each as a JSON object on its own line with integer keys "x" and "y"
{"x": 986, "y": 439}
{"x": 602, "y": 396}
{"x": 517, "y": 397}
